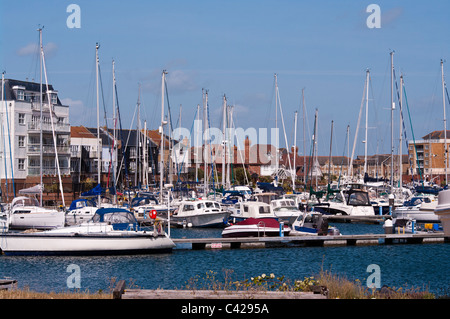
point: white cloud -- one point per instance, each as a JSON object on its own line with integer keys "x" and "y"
{"x": 33, "y": 48}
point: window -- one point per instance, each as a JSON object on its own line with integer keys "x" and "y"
{"x": 21, "y": 164}
{"x": 21, "y": 141}
{"x": 20, "y": 95}
{"x": 21, "y": 118}
{"x": 54, "y": 98}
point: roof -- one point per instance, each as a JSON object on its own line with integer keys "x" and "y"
{"x": 435, "y": 135}
{"x": 33, "y": 87}
{"x": 81, "y": 132}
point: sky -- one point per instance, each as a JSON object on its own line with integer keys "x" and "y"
{"x": 234, "y": 48}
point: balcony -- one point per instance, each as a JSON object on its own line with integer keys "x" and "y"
{"x": 35, "y": 149}
{"x": 35, "y": 127}
{"x": 36, "y": 170}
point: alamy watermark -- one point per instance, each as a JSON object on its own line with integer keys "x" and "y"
{"x": 74, "y": 19}
{"x": 374, "y": 279}
{"x": 374, "y": 19}
{"x": 74, "y": 279}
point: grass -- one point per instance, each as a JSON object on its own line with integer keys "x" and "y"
{"x": 336, "y": 287}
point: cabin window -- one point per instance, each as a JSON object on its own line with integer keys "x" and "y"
{"x": 200, "y": 205}
{"x": 209, "y": 204}
{"x": 216, "y": 205}
{"x": 264, "y": 210}
{"x": 245, "y": 209}
{"x": 188, "y": 207}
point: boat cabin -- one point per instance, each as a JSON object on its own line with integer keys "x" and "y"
{"x": 119, "y": 218}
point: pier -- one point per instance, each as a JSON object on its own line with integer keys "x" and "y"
{"x": 309, "y": 241}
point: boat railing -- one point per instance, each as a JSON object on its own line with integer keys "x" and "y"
{"x": 263, "y": 225}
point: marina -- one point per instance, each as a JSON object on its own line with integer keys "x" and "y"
{"x": 176, "y": 163}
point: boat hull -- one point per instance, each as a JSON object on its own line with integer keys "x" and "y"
{"x": 201, "y": 220}
{"x": 83, "y": 244}
{"x": 255, "y": 228}
{"x": 37, "y": 220}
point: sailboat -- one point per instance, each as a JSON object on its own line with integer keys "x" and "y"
{"x": 111, "y": 231}
{"x": 26, "y": 211}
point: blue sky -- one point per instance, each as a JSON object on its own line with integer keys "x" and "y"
{"x": 234, "y": 48}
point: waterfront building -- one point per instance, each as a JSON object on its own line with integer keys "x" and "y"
{"x": 21, "y": 129}
{"x": 428, "y": 156}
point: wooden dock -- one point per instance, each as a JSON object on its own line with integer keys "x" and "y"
{"x": 309, "y": 241}
{"x": 121, "y": 292}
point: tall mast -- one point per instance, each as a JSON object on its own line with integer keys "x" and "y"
{"x": 294, "y": 171}
{"x": 445, "y": 122}
{"x": 224, "y": 144}
{"x": 304, "y": 138}
{"x": 400, "y": 157}
{"x": 114, "y": 147}
{"x": 99, "y": 164}
{"x": 161, "y": 131}
{"x": 205, "y": 124}
{"x": 197, "y": 144}
{"x": 367, "y": 118}
{"x": 40, "y": 120}
{"x": 392, "y": 119}
{"x": 138, "y": 140}
{"x": 276, "y": 129}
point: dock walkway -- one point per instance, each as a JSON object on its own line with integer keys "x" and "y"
{"x": 309, "y": 241}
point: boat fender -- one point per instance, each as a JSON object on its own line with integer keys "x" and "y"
{"x": 153, "y": 214}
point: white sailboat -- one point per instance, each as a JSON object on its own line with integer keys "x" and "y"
{"x": 27, "y": 212}
{"x": 112, "y": 231}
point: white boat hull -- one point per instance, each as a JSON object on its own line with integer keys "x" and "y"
{"x": 213, "y": 219}
{"x": 443, "y": 210}
{"x": 37, "y": 220}
{"x": 83, "y": 244}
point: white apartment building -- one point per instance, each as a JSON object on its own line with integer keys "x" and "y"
{"x": 20, "y": 132}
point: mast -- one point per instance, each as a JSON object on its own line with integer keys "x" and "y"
{"x": 400, "y": 164}
{"x": 304, "y": 138}
{"x": 224, "y": 144}
{"x": 114, "y": 147}
{"x": 445, "y": 122}
{"x": 97, "y": 46}
{"x": 367, "y": 118}
{"x": 137, "y": 175}
{"x": 294, "y": 171}
{"x": 161, "y": 131}
{"x": 392, "y": 119}
{"x": 197, "y": 152}
{"x": 329, "y": 158}
{"x": 276, "y": 129}
{"x": 205, "y": 124}
{"x": 40, "y": 126}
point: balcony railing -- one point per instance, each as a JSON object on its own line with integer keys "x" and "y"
{"x": 34, "y": 171}
{"x": 59, "y": 127}
{"x": 48, "y": 149}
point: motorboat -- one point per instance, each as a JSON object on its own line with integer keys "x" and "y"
{"x": 420, "y": 209}
{"x": 250, "y": 209}
{"x": 312, "y": 223}
{"x": 352, "y": 202}
{"x": 25, "y": 213}
{"x": 285, "y": 210}
{"x": 200, "y": 213}
{"x": 80, "y": 210}
{"x": 111, "y": 231}
{"x": 143, "y": 205}
{"x": 443, "y": 211}
{"x": 256, "y": 227}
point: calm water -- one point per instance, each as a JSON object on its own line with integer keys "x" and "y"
{"x": 423, "y": 265}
